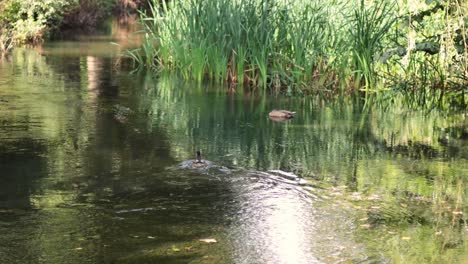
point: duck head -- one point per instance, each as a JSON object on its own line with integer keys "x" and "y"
{"x": 198, "y": 158}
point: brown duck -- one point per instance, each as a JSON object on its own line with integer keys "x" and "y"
{"x": 281, "y": 114}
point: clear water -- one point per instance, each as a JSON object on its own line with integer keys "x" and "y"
{"x": 90, "y": 170}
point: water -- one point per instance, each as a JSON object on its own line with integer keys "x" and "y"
{"x": 91, "y": 170}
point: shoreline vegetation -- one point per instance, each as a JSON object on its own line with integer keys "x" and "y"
{"x": 311, "y": 47}
{"x": 32, "y": 22}
{"x": 415, "y": 48}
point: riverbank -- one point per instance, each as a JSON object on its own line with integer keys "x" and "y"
{"x": 31, "y": 23}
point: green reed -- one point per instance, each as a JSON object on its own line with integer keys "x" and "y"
{"x": 259, "y": 43}
{"x": 299, "y": 46}
{"x": 370, "y": 24}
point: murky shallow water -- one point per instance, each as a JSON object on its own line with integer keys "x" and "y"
{"x": 90, "y": 172}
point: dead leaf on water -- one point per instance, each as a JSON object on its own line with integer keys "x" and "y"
{"x": 175, "y": 249}
{"x": 208, "y": 240}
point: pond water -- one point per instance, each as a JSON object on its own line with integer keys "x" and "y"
{"x": 90, "y": 170}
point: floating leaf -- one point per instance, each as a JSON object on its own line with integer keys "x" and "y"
{"x": 208, "y": 240}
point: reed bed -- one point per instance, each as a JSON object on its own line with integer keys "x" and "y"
{"x": 285, "y": 46}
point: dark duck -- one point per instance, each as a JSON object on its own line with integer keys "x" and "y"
{"x": 199, "y": 162}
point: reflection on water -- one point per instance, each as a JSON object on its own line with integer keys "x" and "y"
{"x": 89, "y": 171}
{"x": 275, "y": 223}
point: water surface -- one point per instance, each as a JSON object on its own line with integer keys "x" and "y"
{"x": 89, "y": 170}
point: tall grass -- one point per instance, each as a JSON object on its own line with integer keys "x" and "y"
{"x": 371, "y": 23}
{"x": 286, "y": 45}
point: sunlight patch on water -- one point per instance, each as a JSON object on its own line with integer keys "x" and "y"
{"x": 275, "y": 223}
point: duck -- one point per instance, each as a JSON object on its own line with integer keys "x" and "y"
{"x": 198, "y": 162}
{"x": 281, "y": 114}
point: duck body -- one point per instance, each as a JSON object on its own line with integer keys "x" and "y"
{"x": 201, "y": 166}
{"x": 197, "y": 163}
{"x": 281, "y": 114}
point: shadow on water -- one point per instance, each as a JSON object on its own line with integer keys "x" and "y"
{"x": 89, "y": 171}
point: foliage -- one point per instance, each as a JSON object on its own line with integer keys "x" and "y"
{"x": 6, "y": 41}
{"x": 129, "y": 5}
{"x": 308, "y": 46}
{"x": 88, "y": 13}
{"x": 31, "y": 21}
{"x": 432, "y": 42}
